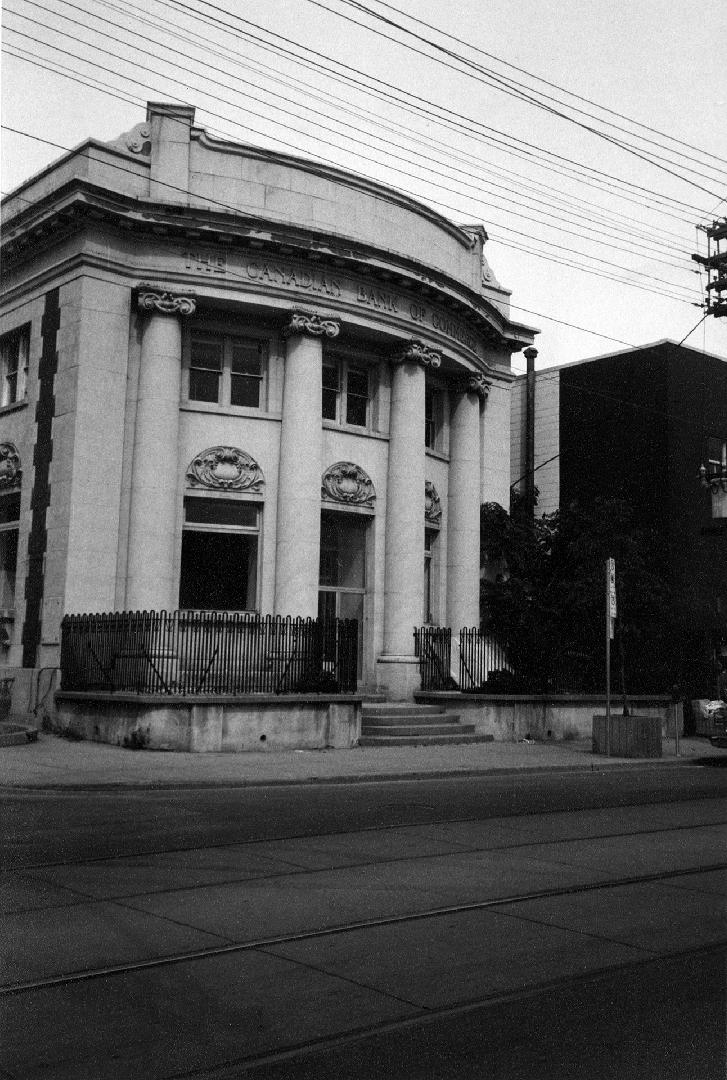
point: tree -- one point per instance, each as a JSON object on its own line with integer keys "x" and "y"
{"x": 547, "y": 605}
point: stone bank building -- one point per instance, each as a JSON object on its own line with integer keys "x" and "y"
{"x": 238, "y": 380}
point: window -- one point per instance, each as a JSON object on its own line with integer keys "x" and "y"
{"x": 219, "y": 555}
{"x": 9, "y": 526}
{"x": 429, "y": 538}
{"x": 346, "y": 392}
{"x": 227, "y": 370}
{"x": 716, "y": 457}
{"x": 14, "y": 349}
{"x": 432, "y": 417}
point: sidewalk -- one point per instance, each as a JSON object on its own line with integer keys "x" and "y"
{"x": 53, "y": 762}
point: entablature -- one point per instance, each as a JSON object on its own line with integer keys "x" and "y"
{"x": 273, "y": 254}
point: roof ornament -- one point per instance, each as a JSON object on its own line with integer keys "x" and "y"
{"x": 136, "y": 141}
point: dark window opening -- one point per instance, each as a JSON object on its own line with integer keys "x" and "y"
{"x": 357, "y": 396}
{"x": 219, "y": 571}
{"x": 329, "y": 402}
{"x": 246, "y": 373}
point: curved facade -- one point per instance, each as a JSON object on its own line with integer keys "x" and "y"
{"x": 246, "y": 381}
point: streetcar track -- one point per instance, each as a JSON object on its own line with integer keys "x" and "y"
{"x": 298, "y": 869}
{"x": 261, "y": 944}
{"x": 427, "y": 1015}
{"x": 437, "y": 823}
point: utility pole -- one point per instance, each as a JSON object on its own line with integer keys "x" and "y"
{"x": 715, "y": 262}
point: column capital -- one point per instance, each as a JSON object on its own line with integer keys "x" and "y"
{"x": 416, "y": 352}
{"x": 165, "y": 303}
{"x": 304, "y": 322}
{"x": 473, "y": 382}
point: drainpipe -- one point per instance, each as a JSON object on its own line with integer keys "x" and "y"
{"x": 530, "y": 354}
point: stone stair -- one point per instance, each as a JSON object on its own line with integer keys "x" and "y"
{"x": 393, "y": 724}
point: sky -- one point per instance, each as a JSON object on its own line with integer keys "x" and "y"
{"x": 444, "y": 101}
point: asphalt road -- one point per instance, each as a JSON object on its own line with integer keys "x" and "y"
{"x": 499, "y": 927}
{"x": 55, "y": 825}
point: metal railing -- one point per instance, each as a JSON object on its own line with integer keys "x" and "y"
{"x": 480, "y": 658}
{"x": 472, "y": 661}
{"x": 207, "y": 652}
{"x": 433, "y": 646}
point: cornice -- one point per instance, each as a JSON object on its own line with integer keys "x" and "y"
{"x": 339, "y": 176}
{"x": 69, "y": 209}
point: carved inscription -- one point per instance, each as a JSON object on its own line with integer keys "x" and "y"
{"x": 323, "y": 283}
{"x": 207, "y": 260}
{"x": 307, "y": 280}
{"x": 378, "y": 298}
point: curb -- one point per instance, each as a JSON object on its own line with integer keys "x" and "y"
{"x": 12, "y": 734}
{"x": 373, "y": 778}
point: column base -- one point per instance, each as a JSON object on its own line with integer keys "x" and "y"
{"x": 398, "y": 676}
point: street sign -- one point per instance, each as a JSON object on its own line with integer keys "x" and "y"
{"x": 612, "y": 589}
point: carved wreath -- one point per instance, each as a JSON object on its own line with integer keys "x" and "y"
{"x": 226, "y": 468}
{"x": 347, "y": 483}
{"x": 10, "y": 471}
{"x": 432, "y": 504}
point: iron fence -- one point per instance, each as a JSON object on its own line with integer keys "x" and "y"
{"x": 207, "y": 652}
{"x": 433, "y": 646}
{"x": 471, "y": 661}
{"x": 481, "y": 659}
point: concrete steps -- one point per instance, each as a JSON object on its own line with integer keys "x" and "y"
{"x": 391, "y": 724}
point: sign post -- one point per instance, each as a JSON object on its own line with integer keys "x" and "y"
{"x": 610, "y": 622}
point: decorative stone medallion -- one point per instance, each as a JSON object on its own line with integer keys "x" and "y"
{"x": 10, "y": 471}
{"x": 347, "y": 483}
{"x": 417, "y": 352}
{"x": 166, "y": 303}
{"x": 474, "y": 382}
{"x": 432, "y": 504}
{"x": 316, "y": 325}
{"x": 226, "y": 468}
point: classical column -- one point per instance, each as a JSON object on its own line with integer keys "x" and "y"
{"x": 397, "y": 669}
{"x": 297, "y": 551}
{"x": 463, "y": 521}
{"x": 153, "y": 509}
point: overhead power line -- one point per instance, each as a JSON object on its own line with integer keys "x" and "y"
{"x": 481, "y": 74}
{"x": 636, "y": 246}
{"x": 388, "y": 91}
{"x": 618, "y": 222}
{"x": 663, "y": 291}
{"x": 546, "y": 82}
{"x": 426, "y": 180}
{"x": 185, "y": 191}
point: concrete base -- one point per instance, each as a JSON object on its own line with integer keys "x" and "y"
{"x": 204, "y": 724}
{"x": 628, "y": 736}
{"x": 398, "y": 677}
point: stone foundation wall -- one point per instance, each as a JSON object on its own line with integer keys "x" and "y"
{"x": 199, "y": 724}
{"x": 510, "y": 718}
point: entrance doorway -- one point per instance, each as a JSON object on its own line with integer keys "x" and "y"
{"x": 342, "y": 585}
